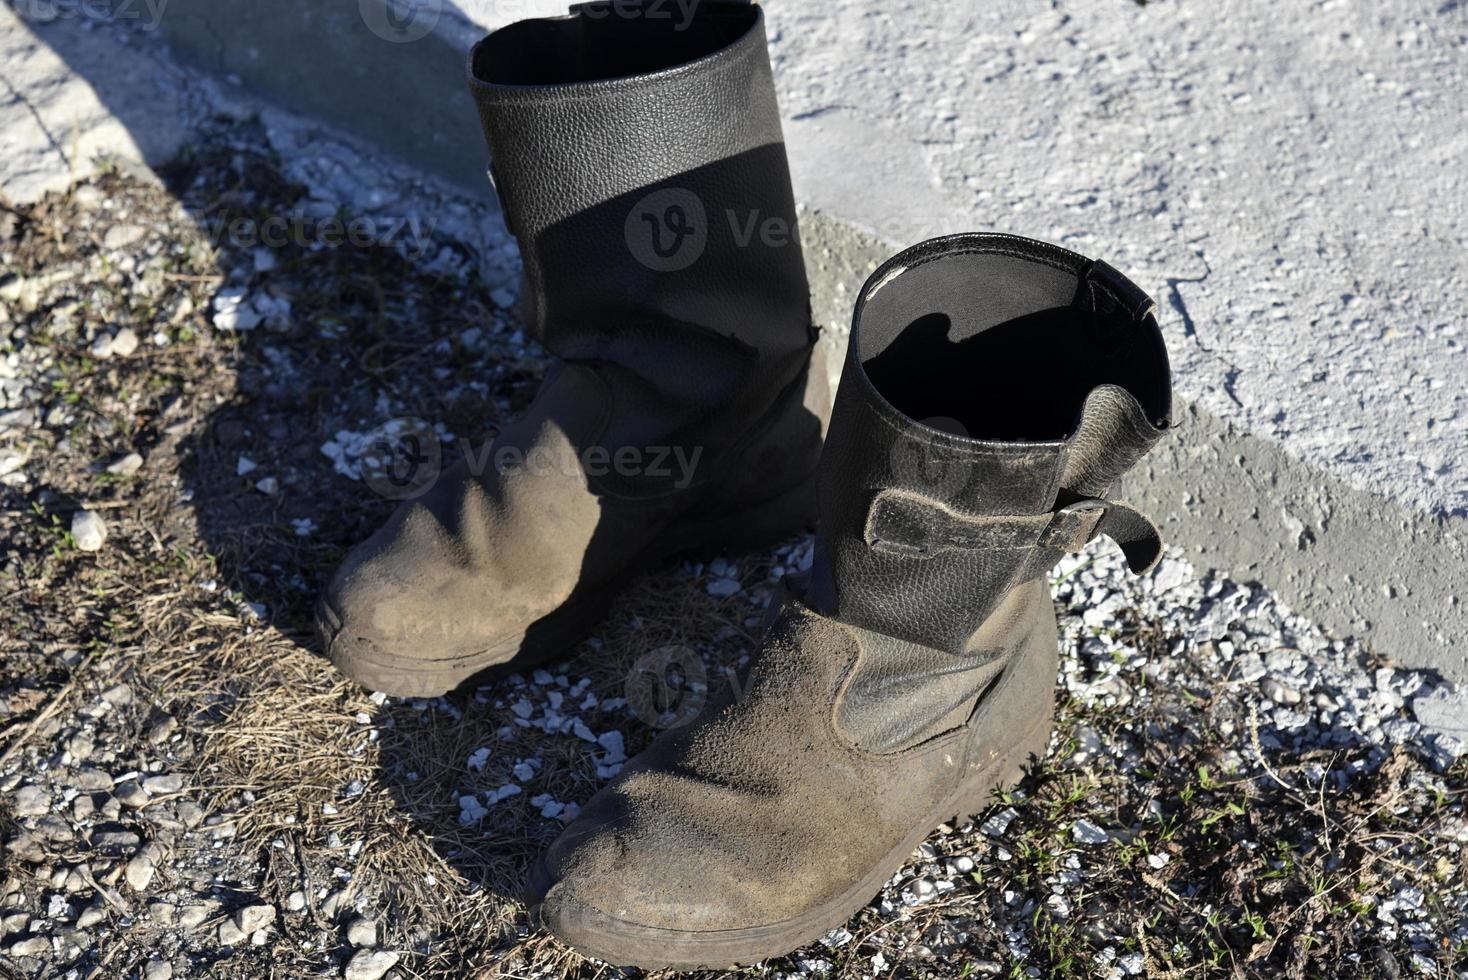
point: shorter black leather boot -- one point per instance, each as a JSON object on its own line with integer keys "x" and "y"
{"x": 641, "y": 167}
{"x": 994, "y": 389}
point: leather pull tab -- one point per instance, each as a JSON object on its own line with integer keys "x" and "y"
{"x": 911, "y": 526}
{"x": 1134, "y": 304}
{"x": 907, "y": 525}
{"x": 1114, "y": 303}
{"x": 1134, "y": 532}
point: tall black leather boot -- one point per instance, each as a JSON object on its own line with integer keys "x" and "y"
{"x": 640, "y": 163}
{"x": 994, "y": 389}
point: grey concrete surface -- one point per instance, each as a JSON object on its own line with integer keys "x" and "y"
{"x": 1286, "y": 179}
{"x": 1289, "y": 195}
{"x": 396, "y": 82}
{"x": 68, "y": 97}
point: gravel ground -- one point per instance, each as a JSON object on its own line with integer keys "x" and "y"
{"x": 192, "y": 423}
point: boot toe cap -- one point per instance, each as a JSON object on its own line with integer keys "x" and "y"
{"x": 402, "y": 662}
{"x": 628, "y": 866}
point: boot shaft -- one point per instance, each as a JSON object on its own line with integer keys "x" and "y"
{"x": 994, "y": 387}
{"x": 639, "y": 158}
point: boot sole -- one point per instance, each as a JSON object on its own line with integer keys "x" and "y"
{"x": 617, "y": 941}
{"x": 552, "y": 637}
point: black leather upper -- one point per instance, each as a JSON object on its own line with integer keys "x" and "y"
{"x": 614, "y": 134}
{"x": 643, "y": 171}
{"x": 990, "y": 382}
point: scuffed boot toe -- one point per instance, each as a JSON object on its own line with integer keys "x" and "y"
{"x": 399, "y": 641}
{"x": 624, "y": 904}
{"x": 393, "y": 668}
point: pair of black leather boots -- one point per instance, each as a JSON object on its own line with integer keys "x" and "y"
{"x": 994, "y": 388}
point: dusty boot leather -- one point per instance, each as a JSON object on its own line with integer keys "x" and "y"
{"x": 640, "y": 164}
{"x": 994, "y": 388}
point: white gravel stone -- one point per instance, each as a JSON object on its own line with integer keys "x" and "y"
{"x": 1444, "y": 711}
{"x": 164, "y": 785}
{"x": 141, "y": 868}
{"x": 362, "y": 932}
{"x": 118, "y": 695}
{"x": 471, "y": 811}
{"x": 232, "y": 312}
{"x": 127, "y": 465}
{"x": 121, "y": 236}
{"x": 1278, "y": 691}
{"x": 370, "y": 965}
{"x": 504, "y": 792}
{"x": 160, "y": 731}
{"x": 1086, "y": 832}
{"x": 92, "y": 914}
{"x": 999, "y": 822}
{"x": 34, "y": 946}
{"x": 31, "y": 801}
{"x": 252, "y": 918}
{"x": 88, "y": 530}
{"x": 157, "y": 969}
{"x": 721, "y": 588}
{"x": 125, "y": 342}
{"x": 194, "y": 916}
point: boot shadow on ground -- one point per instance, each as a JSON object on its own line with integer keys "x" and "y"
{"x": 368, "y": 326}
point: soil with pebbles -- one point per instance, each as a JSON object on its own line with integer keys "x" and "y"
{"x": 195, "y": 425}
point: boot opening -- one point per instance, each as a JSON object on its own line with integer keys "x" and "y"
{"x": 1002, "y": 339}
{"x": 603, "y": 41}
